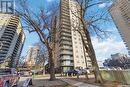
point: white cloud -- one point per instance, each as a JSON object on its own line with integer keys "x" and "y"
{"x": 105, "y": 48}
{"x": 102, "y": 5}
{"x": 49, "y": 0}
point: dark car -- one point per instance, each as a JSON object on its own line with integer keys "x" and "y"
{"x": 70, "y": 72}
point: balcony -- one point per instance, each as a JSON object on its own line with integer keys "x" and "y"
{"x": 66, "y": 47}
{"x": 66, "y": 52}
{"x": 65, "y": 15}
{"x": 65, "y": 34}
{"x": 66, "y": 25}
{"x": 66, "y": 58}
{"x": 66, "y": 38}
{"x": 14, "y": 22}
{"x": 65, "y": 44}
{"x": 66, "y": 3}
{"x": 65, "y": 20}
{"x": 7, "y": 37}
{"x": 65, "y": 30}
{"x": 65, "y": 64}
{"x": 64, "y": 7}
{"x": 9, "y": 29}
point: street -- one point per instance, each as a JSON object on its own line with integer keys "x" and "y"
{"x": 21, "y": 81}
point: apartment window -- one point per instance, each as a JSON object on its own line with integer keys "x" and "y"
{"x": 0, "y": 27}
{"x": 74, "y": 34}
{"x": 6, "y": 5}
{"x": 82, "y": 56}
{"x": 77, "y": 56}
{"x": 78, "y": 62}
{"x": 81, "y": 47}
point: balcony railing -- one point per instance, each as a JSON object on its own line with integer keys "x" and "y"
{"x": 65, "y": 34}
{"x": 66, "y": 38}
{"x": 66, "y": 58}
{"x": 67, "y": 52}
{"x": 64, "y": 64}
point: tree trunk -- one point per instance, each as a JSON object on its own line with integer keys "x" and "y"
{"x": 86, "y": 74}
{"x": 91, "y": 53}
{"x": 51, "y": 67}
{"x": 98, "y": 77}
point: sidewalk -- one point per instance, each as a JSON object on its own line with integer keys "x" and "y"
{"x": 78, "y": 84}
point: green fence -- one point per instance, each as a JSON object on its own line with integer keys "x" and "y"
{"x": 116, "y": 75}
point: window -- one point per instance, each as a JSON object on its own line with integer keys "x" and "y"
{"x": 74, "y": 34}
{"x": 81, "y": 56}
{"x": 0, "y": 27}
{"x": 77, "y": 56}
{"x": 78, "y": 62}
{"x": 5, "y": 6}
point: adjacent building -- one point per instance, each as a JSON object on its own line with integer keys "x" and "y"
{"x": 118, "y": 56}
{"x": 7, "y": 6}
{"x": 69, "y": 49}
{"x": 32, "y": 56}
{"x": 118, "y": 60}
{"x": 120, "y": 12}
{"x": 12, "y": 36}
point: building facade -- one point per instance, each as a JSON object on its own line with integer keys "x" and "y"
{"x": 118, "y": 60}
{"x": 118, "y": 56}
{"x": 11, "y": 38}
{"x": 32, "y": 56}
{"x": 7, "y": 6}
{"x": 70, "y": 52}
{"x": 120, "y": 12}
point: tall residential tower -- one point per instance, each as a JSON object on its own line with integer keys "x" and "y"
{"x": 11, "y": 33}
{"x": 69, "y": 50}
{"x": 120, "y": 12}
{"x": 11, "y": 38}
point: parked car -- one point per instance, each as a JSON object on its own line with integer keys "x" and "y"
{"x": 8, "y": 77}
{"x": 70, "y": 72}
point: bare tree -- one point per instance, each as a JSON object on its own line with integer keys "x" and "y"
{"x": 42, "y": 55}
{"x": 42, "y": 23}
{"x": 91, "y": 18}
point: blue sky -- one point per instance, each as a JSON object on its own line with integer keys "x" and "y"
{"x": 103, "y": 49}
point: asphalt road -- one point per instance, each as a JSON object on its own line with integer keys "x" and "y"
{"x": 21, "y": 81}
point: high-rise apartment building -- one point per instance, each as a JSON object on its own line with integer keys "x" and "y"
{"x": 120, "y": 12}
{"x": 69, "y": 50}
{"x": 32, "y": 56}
{"x": 11, "y": 38}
